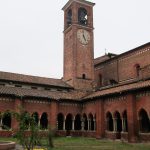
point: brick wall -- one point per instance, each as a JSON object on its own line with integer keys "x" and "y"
{"x": 124, "y": 67}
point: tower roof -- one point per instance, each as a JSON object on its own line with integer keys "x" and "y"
{"x": 78, "y": 1}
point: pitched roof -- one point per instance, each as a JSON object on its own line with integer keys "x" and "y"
{"x": 79, "y": 1}
{"x": 124, "y": 54}
{"x": 119, "y": 89}
{"x": 32, "y": 79}
{"x": 57, "y": 95}
{"x": 101, "y": 59}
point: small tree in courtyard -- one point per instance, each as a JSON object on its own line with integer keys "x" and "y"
{"x": 30, "y": 139}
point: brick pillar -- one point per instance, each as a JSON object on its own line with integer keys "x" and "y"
{"x": 100, "y": 119}
{"x": 17, "y": 107}
{"x": 53, "y": 115}
{"x": 132, "y": 118}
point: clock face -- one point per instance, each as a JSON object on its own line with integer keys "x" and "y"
{"x": 83, "y": 36}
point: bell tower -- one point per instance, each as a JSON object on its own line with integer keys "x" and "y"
{"x": 78, "y": 44}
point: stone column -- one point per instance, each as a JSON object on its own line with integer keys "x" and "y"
{"x": 64, "y": 123}
{"x": 115, "y": 124}
{"x": 82, "y": 124}
{"x": 73, "y": 120}
{"x": 89, "y": 124}
{"x": 124, "y": 128}
{"x": 123, "y": 125}
{"x": 1, "y": 123}
{"x": 39, "y": 121}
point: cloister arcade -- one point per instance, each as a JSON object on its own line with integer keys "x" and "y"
{"x": 77, "y": 122}
{"x": 115, "y": 122}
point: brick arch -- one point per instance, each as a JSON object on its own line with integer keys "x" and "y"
{"x": 44, "y": 120}
{"x": 60, "y": 121}
{"x": 144, "y": 121}
{"x": 68, "y": 121}
{"x": 109, "y": 119}
{"x": 77, "y": 122}
{"x": 118, "y": 120}
{"x": 115, "y": 113}
{"x": 85, "y": 120}
{"x": 6, "y": 120}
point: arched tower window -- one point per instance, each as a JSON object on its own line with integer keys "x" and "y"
{"x": 83, "y": 76}
{"x": 69, "y": 17}
{"x": 82, "y": 16}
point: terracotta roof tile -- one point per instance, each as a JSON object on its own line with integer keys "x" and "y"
{"x": 119, "y": 89}
{"x": 23, "y": 92}
{"x": 32, "y": 79}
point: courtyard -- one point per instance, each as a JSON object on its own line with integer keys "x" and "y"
{"x": 79, "y": 143}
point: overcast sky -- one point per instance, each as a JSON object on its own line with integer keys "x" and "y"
{"x": 31, "y": 38}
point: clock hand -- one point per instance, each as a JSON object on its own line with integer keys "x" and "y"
{"x": 84, "y": 37}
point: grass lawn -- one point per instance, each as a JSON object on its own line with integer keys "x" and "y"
{"x": 92, "y": 144}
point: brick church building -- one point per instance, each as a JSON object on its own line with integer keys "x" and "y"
{"x": 105, "y": 97}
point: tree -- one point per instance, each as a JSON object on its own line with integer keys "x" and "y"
{"x": 27, "y": 122}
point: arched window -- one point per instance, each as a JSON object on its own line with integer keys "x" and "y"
{"x": 77, "y": 123}
{"x": 60, "y": 121}
{"x": 44, "y": 121}
{"x": 69, "y": 17}
{"x": 137, "y": 69}
{"x": 83, "y": 76}
{"x": 6, "y": 120}
{"x": 144, "y": 121}
{"x": 68, "y": 123}
{"x": 82, "y": 16}
{"x": 109, "y": 122}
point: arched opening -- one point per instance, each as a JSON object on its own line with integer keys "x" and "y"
{"x": 85, "y": 122}
{"x": 44, "y": 121}
{"x": 137, "y": 69}
{"x": 68, "y": 123}
{"x": 6, "y": 120}
{"x": 118, "y": 122}
{"x": 69, "y": 17}
{"x": 110, "y": 125}
{"x": 60, "y": 121}
{"x": 91, "y": 122}
{"x": 83, "y": 76}
{"x": 77, "y": 123}
{"x": 144, "y": 121}
{"x": 36, "y": 117}
{"x": 125, "y": 121}
{"x": 82, "y": 16}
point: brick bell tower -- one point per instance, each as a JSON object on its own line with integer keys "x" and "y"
{"x": 78, "y": 44}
